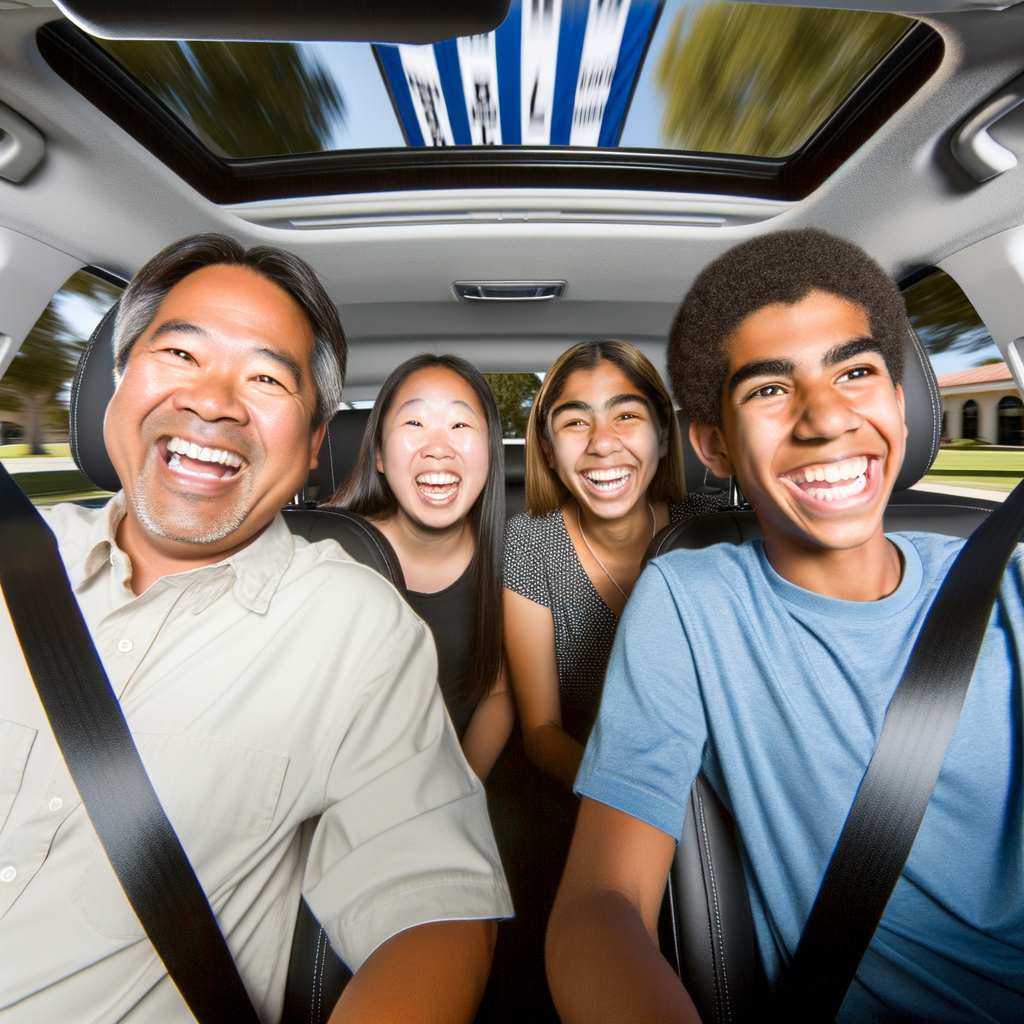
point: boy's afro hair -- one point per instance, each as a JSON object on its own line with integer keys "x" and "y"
{"x": 780, "y": 267}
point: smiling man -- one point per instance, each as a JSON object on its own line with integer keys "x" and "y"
{"x": 283, "y": 697}
{"x": 771, "y": 665}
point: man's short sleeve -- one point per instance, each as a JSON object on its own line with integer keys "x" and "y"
{"x": 645, "y": 749}
{"x": 405, "y": 837}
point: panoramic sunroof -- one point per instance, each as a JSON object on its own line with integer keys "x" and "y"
{"x": 700, "y": 77}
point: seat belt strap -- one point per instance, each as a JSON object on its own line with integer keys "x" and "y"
{"x": 104, "y": 763}
{"x": 897, "y": 786}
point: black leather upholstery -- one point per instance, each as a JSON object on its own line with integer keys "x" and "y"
{"x": 91, "y": 392}
{"x": 338, "y": 453}
{"x": 363, "y": 541}
{"x": 737, "y": 526}
{"x": 714, "y": 952}
{"x": 515, "y": 479}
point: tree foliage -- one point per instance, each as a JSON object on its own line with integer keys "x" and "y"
{"x": 241, "y": 99}
{"x": 943, "y": 316}
{"x": 746, "y": 78}
{"x": 46, "y": 361}
{"x": 513, "y": 393}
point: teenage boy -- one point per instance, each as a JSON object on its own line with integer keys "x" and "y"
{"x": 771, "y": 665}
{"x": 283, "y": 697}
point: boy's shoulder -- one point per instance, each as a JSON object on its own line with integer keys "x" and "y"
{"x": 688, "y": 566}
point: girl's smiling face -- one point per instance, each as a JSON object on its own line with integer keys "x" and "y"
{"x": 434, "y": 450}
{"x": 607, "y": 442}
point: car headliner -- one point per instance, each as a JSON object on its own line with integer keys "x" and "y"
{"x": 102, "y": 198}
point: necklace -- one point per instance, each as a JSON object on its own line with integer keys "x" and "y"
{"x": 579, "y": 523}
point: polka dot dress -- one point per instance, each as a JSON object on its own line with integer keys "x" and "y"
{"x": 542, "y": 565}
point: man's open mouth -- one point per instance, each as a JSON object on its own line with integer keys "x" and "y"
{"x": 194, "y": 460}
{"x": 438, "y": 486}
{"x": 608, "y": 481}
{"x": 832, "y": 481}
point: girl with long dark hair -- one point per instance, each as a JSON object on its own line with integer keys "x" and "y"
{"x": 430, "y": 476}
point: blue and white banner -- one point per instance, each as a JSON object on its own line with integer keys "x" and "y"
{"x": 556, "y": 73}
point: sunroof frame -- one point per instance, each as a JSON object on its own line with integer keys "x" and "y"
{"x": 99, "y": 78}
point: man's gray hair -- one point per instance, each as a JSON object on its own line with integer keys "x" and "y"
{"x": 149, "y": 287}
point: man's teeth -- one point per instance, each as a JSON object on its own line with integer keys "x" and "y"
{"x": 838, "y": 493}
{"x": 179, "y": 446}
{"x": 831, "y": 472}
{"x": 607, "y": 479}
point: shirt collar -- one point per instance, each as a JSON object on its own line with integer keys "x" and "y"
{"x": 258, "y": 568}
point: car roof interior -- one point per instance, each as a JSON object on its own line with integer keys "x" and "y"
{"x": 627, "y": 254}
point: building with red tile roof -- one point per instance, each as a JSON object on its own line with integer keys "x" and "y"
{"x": 982, "y": 403}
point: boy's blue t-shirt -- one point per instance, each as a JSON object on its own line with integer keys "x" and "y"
{"x": 779, "y": 693}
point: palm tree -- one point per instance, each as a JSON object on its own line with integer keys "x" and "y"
{"x": 240, "y": 99}
{"x": 746, "y": 78}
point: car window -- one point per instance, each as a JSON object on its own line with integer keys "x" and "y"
{"x": 514, "y": 394}
{"x": 36, "y": 389}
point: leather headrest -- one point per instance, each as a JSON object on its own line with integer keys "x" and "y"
{"x": 923, "y": 416}
{"x": 93, "y": 387}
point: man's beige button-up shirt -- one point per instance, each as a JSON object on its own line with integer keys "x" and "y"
{"x": 284, "y": 702}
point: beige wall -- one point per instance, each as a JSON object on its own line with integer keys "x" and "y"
{"x": 988, "y": 415}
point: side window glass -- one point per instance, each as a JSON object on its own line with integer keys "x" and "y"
{"x": 514, "y": 394}
{"x": 36, "y": 389}
{"x": 982, "y": 413}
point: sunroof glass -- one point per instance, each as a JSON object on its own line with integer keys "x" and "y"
{"x": 696, "y": 76}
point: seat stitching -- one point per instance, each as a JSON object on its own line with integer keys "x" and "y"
{"x": 717, "y": 909}
{"x": 314, "y": 1013}
{"x": 704, "y": 868}
{"x": 675, "y": 925}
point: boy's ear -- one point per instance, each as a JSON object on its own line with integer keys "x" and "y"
{"x": 709, "y": 444}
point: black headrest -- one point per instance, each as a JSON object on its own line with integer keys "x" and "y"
{"x": 515, "y": 465}
{"x": 924, "y": 426}
{"x": 93, "y": 388}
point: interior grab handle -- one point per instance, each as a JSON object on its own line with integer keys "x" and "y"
{"x": 21, "y": 145}
{"x": 972, "y": 145}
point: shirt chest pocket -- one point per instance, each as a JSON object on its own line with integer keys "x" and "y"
{"x": 221, "y": 799}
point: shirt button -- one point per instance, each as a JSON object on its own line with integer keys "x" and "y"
{"x": 124, "y": 646}
{"x": 9, "y": 873}
{"x": 56, "y": 804}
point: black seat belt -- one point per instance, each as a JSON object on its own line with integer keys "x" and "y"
{"x": 101, "y": 756}
{"x": 897, "y": 786}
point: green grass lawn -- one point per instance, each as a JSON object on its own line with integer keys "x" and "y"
{"x": 49, "y": 488}
{"x": 978, "y": 467}
{"x": 22, "y": 451}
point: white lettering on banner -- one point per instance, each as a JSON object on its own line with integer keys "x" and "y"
{"x": 420, "y": 66}
{"x": 478, "y": 62}
{"x": 601, "y": 41}
{"x": 542, "y": 20}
